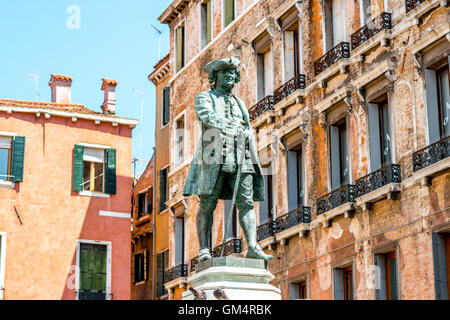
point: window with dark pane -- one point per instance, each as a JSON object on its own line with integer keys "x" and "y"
{"x": 444, "y": 100}
{"x": 139, "y": 267}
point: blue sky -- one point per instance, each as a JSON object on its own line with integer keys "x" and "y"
{"x": 115, "y": 40}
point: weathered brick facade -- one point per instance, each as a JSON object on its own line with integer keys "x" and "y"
{"x": 402, "y": 214}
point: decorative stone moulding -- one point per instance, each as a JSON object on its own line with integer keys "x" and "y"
{"x": 228, "y": 278}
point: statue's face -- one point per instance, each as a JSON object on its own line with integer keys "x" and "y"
{"x": 226, "y": 78}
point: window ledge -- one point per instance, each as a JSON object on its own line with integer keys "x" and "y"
{"x": 140, "y": 283}
{"x": 424, "y": 175}
{"x": 388, "y": 191}
{"x": 268, "y": 242}
{"x": 7, "y": 184}
{"x": 265, "y": 117}
{"x": 93, "y": 194}
{"x": 339, "y": 67}
{"x": 299, "y": 229}
{"x": 180, "y": 282}
{"x": 326, "y": 217}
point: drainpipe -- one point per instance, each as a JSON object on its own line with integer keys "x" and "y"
{"x": 153, "y": 226}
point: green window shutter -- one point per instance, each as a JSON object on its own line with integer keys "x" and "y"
{"x": 162, "y": 189}
{"x": 159, "y": 274}
{"x": 110, "y": 171}
{"x": 229, "y": 11}
{"x": 18, "y": 153}
{"x": 92, "y": 271}
{"x": 78, "y": 168}
{"x": 166, "y": 105}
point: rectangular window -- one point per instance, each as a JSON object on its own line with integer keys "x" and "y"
{"x": 162, "y": 265}
{"x": 296, "y": 189}
{"x": 438, "y": 101}
{"x": 339, "y": 154}
{"x": 92, "y": 272}
{"x": 233, "y": 233}
{"x": 140, "y": 267}
{"x": 93, "y": 170}
{"x": 179, "y": 141}
{"x": 163, "y": 189}
{"x": 292, "y": 50}
{"x": 441, "y": 262}
{"x": 379, "y": 131}
{"x": 5, "y": 158}
{"x": 180, "y": 48}
{"x": 206, "y": 23}
{"x": 443, "y": 100}
{"x": 264, "y": 70}
{"x": 166, "y": 106}
{"x": 145, "y": 203}
{"x": 265, "y": 208}
{"x": 12, "y": 152}
{"x": 179, "y": 240}
{"x": 387, "y": 277}
{"x": 343, "y": 283}
{"x": 366, "y": 12}
{"x": 229, "y": 12}
{"x": 298, "y": 290}
{"x": 334, "y": 23}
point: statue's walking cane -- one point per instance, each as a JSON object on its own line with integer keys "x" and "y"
{"x": 233, "y": 199}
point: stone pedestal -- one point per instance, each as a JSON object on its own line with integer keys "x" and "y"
{"x": 237, "y": 278}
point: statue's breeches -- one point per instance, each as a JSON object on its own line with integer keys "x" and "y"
{"x": 244, "y": 198}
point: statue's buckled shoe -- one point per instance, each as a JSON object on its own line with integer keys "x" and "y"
{"x": 257, "y": 253}
{"x": 204, "y": 254}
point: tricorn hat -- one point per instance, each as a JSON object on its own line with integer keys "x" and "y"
{"x": 221, "y": 64}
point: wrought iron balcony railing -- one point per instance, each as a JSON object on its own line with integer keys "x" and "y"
{"x": 431, "y": 154}
{"x": 261, "y": 107}
{"x": 336, "y": 198}
{"x": 383, "y": 21}
{"x": 231, "y": 246}
{"x": 266, "y": 230}
{"x": 293, "y": 218}
{"x": 342, "y": 50}
{"x": 412, "y": 4}
{"x": 91, "y": 295}
{"x": 378, "y": 179}
{"x": 179, "y": 271}
{"x": 284, "y": 222}
{"x": 298, "y": 82}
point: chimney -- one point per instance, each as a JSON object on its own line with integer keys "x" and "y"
{"x": 60, "y": 86}
{"x": 109, "y": 102}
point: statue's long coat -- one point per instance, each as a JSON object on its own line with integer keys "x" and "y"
{"x": 203, "y": 175}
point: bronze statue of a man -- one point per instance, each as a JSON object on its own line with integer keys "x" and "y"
{"x": 225, "y": 158}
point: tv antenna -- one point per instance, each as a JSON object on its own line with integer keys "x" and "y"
{"x": 36, "y": 82}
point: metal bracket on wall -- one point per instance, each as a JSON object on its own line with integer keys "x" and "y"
{"x": 18, "y": 215}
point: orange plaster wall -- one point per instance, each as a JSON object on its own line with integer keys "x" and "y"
{"x": 40, "y": 254}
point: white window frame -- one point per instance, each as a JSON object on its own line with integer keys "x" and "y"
{"x": 6, "y": 183}
{"x": 297, "y": 281}
{"x": 2, "y": 263}
{"x": 182, "y": 23}
{"x": 324, "y": 26}
{"x": 223, "y": 14}
{"x": 95, "y": 193}
{"x": 201, "y": 24}
{"x": 177, "y": 163}
{"x": 108, "y": 245}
